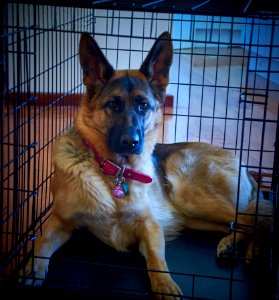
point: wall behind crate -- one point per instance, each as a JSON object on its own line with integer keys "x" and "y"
{"x": 231, "y": 30}
{"x": 124, "y": 36}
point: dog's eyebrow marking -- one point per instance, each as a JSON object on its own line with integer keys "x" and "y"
{"x": 128, "y": 86}
{"x": 130, "y": 82}
{"x": 127, "y": 82}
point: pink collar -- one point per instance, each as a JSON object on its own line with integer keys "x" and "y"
{"x": 113, "y": 170}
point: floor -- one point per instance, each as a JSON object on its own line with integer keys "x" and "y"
{"x": 86, "y": 268}
{"x": 213, "y": 113}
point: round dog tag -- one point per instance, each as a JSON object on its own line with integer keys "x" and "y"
{"x": 118, "y": 191}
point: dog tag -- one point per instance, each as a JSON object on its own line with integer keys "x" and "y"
{"x": 125, "y": 187}
{"x": 118, "y": 191}
{"x": 121, "y": 188}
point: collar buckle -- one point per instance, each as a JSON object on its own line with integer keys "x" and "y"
{"x": 110, "y": 168}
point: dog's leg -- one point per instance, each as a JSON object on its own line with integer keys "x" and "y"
{"x": 217, "y": 216}
{"x": 55, "y": 235}
{"x": 216, "y": 212}
{"x": 259, "y": 218}
{"x": 152, "y": 246}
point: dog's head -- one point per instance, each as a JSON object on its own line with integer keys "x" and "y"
{"x": 123, "y": 105}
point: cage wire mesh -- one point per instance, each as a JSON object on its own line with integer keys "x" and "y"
{"x": 224, "y": 89}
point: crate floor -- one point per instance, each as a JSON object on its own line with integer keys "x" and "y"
{"x": 86, "y": 268}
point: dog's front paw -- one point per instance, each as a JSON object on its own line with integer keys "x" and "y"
{"x": 34, "y": 275}
{"x": 226, "y": 247}
{"x": 165, "y": 288}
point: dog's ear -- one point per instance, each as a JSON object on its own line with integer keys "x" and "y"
{"x": 157, "y": 64}
{"x": 96, "y": 68}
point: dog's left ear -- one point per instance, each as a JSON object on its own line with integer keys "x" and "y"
{"x": 96, "y": 68}
{"x": 157, "y": 64}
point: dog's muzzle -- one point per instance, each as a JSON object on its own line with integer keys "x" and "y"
{"x": 129, "y": 142}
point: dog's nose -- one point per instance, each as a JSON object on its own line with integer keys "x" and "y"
{"x": 126, "y": 141}
{"x": 130, "y": 142}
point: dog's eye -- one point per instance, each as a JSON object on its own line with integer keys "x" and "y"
{"x": 113, "y": 104}
{"x": 144, "y": 105}
{"x": 141, "y": 103}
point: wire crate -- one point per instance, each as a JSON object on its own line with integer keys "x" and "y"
{"x": 224, "y": 90}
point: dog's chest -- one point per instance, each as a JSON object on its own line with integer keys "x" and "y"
{"x": 118, "y": 222}
{"x": 88, "y": 200}
{"x": 113, "y": 220}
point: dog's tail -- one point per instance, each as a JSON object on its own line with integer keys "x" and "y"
{"x": 261, "y": 208}
{"x": 258, "y": 217}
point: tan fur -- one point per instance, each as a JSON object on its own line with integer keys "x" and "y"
{"x": 194, "y": 186}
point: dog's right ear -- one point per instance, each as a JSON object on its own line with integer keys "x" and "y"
{"x": 96, "y": 68}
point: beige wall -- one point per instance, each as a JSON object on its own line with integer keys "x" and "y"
{"x": 124, "y": 37}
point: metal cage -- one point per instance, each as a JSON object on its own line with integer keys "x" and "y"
{"x": 224, "y": 89}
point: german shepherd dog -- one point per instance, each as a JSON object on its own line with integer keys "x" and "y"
{"x": 114, "y": 179}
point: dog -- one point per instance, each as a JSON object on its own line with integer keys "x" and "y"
{"x": 112, "y": 177}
